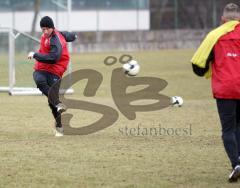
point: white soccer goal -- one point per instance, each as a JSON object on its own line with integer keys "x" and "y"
{"x": 16, "y": 73}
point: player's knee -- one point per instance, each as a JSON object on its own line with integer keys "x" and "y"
{"x": 41, "y": 85}
{"x": 39, "y": 78}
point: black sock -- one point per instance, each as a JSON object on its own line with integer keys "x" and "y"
{"x": 58, "y": 121}
{"x": 56, "y": 115}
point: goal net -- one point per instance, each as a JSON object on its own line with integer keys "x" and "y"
{"x": 15, "y": 69}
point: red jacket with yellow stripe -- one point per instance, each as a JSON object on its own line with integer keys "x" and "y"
{"x": 53, "y": 55}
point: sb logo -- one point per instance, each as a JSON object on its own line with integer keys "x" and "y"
{"x": 119, "y": 84}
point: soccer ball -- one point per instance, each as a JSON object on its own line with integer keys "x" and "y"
{"x": 176, "y": 101}
{"x": 131, "y": 68}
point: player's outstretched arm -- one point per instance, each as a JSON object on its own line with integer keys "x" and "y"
{"x": 69, "y": 36}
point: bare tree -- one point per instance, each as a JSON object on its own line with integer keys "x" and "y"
{"x": 162, "y": 8}
{"x": 157, "y": 9}
{"x": 37, "y": 4}
{"x": 36, "y": 11}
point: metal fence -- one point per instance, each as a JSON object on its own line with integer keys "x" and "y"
{"x": 186, "y": 14}
{"x": 76, "y": 4}
{"x": 164, "y": 14}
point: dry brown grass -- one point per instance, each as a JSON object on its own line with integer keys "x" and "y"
{"x": 32, "y": 157}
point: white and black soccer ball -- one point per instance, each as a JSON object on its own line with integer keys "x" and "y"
{"x": 131, "y": 68}
{"x": 177, "y": 101}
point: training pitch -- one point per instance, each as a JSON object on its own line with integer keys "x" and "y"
{"x": 186, "y": 151}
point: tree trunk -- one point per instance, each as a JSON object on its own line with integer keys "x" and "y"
{"x": 36, "y": 11}
{"x": 33, "y": 30}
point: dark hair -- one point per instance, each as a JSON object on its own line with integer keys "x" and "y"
{"x": 46, "y": 21}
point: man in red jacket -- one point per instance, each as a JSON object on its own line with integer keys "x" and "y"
{"x": 51, "y": 62}
{"x": 225, "y": 58}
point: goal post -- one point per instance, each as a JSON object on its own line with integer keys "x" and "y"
{"x": 18, "y": 72}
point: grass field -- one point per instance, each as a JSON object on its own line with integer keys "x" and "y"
{"x": 32, "y": 157}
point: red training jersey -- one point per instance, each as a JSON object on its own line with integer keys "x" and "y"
{"x": 57, "y": 66}
{"x": 226, "y": 66}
